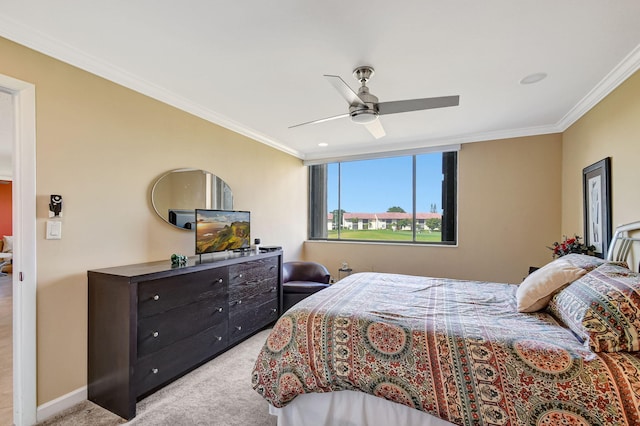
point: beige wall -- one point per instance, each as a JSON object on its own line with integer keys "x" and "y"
{"x": 610, "y": 129}
{"x": 508, "y": 212}
{"x": 101, "y": 146}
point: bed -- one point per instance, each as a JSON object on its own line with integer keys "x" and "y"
{"x": 379, "y": 349}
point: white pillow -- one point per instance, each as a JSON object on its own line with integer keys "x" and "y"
{"x": 536, "y": 290}
{"x": 7, "y": 244}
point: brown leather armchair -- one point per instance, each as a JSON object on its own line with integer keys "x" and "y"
{"x": 302, "y": 279}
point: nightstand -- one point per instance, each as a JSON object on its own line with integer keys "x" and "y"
{"x": 345, "y": 271}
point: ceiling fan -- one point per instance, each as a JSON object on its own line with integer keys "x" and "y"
{"x": 364, "y": 107}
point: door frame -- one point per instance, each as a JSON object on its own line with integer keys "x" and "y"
{"x": 24, "y": 250}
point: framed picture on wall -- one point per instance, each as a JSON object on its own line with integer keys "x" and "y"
{"x": 596, "y": 187}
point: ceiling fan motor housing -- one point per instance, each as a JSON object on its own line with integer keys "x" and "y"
{"x": 368, "y": 112}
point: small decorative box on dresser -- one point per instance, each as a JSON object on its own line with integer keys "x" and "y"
{"x": 150, "y": 323}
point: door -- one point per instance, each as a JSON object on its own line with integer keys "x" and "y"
{"x": 24, "y": 249}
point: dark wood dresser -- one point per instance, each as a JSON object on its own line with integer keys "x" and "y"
{"x": 150, "y": 323}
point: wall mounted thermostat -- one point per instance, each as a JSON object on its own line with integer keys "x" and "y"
{"x": 55, "y": 206}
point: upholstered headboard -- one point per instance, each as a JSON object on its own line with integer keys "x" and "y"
{"x": 621, "y": 247}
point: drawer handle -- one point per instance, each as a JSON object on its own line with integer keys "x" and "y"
{"x": 155, "y": 334}
{"x": 272, "y": 289}
{"x": 240, "y": 276}
{"x": 156, "y": 297}
{"x": 220, "y": 281}
{"x": 219, "y": 338}
{"x": 239, "y": 302}
{"x": 220, "y": 309}
{"x": 274, "y": 310}
{"x": 239, "y": 327}
{"x": 154, "y": 370}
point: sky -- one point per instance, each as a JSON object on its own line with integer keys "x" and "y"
{"x": 372, "y": 186}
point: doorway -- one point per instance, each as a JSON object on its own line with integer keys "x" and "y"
{"x": 6, "y": 282}
{"x": 21, "y": 116}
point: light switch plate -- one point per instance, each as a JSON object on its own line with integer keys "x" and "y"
{"x": 54, "y": 230}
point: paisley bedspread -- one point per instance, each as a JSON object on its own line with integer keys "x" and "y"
{"x": 458, "y": 350}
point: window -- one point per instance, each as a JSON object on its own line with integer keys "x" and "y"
{"x": 399, "y": 199}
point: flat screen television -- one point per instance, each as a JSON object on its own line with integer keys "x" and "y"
{"x": 221, "y": 230}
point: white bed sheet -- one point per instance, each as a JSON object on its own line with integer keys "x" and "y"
{"x": 349, "y": 408}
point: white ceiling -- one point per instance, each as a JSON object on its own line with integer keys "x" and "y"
{"x": 257, "y": 67}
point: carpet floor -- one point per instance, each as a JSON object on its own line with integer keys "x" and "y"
{"x": 217, "y": 393}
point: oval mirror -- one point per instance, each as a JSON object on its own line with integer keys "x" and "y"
{"x": 177, "y": 194}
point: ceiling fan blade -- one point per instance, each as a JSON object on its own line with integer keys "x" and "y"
{"x": 322, "y": 120}
{"x": 375, "y": 128}
{"x": 417, "y": 104}
{"x": 344, "y": 89}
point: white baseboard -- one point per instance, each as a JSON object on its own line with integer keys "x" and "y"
{"x": 53, "y": 407}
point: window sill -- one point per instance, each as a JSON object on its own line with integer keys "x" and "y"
{"x": 382, "y": 243}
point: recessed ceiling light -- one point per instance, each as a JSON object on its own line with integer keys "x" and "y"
{"x": 323, "y": 144}
{"x": 534, "y": 78}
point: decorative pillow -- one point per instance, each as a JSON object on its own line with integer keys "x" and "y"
{"x": 7, "y": 244}
{"x": 602, "y": 308}
{"x": 586, "y": 262}
{"x": 537, "y": 289}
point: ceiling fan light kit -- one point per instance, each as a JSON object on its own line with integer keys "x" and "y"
{"x": 363, "y": 115}
{"x": 364, "y": 107}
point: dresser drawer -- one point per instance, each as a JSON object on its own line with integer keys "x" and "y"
{"x": 252, "y": 296}
{"x": 254, "y": 271}
{"x": 259, "y": 277}
{"x": 243, "y": 322}
{"x": 171, "y": 361}
{"x": 251, "y": 290}
{"x": 164, "y": 294}
{"x": 157, "y": 331}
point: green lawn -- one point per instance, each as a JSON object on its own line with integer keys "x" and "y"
{"x": 385, "y": 235}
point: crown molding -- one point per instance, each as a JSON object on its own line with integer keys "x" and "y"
{"x": 54, "y": 48}
{"x": 625, "y": 69}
